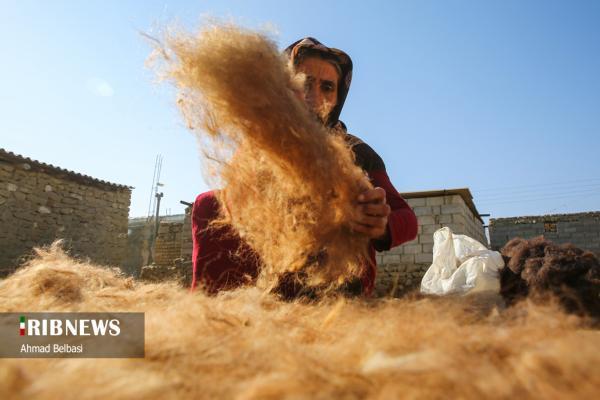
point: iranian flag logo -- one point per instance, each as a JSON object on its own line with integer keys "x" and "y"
{"x": 22, "y": 326}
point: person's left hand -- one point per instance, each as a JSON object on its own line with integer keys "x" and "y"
{"x": 371, "y": 216}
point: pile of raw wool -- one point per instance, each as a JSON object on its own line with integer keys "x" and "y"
{"x": 246, "y": 344}
{"x": 537, "y": 268}
{"x": 289, "y": 185}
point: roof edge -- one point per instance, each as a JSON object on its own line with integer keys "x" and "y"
{"x": 464, "y": 193}
{"x": 9, "y": 156}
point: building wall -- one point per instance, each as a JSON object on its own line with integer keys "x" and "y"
{"x": 399, "y": 270}
{"x": 139, "y": 236}
{"x": 186, "y": 236}
{"x": 172, "y": 253}
{"x": 402, "y": 268}
{"x": 37, "y": 207}
{"x": 173, "y": 246}
{"x": 167, "y": 247}
{"x": 581, "y": 229}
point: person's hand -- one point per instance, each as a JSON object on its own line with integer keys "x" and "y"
{"x": 371, "y": 216}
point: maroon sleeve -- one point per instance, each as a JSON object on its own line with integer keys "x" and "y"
{"x": 402, "y": 221}
{"x": 221, "y": 259}
{"x": 205, "y": 208}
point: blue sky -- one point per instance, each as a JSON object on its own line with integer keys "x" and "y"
{"x": 501, "y": 97}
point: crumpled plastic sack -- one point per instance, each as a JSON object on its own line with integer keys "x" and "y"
{"x": 461, "y": 265}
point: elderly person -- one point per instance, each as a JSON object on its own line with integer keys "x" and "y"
{"x": 222, "y": 260}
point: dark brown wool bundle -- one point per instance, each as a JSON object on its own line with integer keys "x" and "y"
{"x": 246, "y": 344}
{"x": 289, "y": 183}
{"x": 541, "y": 269}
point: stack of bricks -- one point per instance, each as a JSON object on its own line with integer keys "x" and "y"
{"x": 401, "y": 269}
{"x": 40, "y": 203}
{"x": 580, "y": 229}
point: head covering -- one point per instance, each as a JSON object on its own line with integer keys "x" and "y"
{"x": 311, "y": 46}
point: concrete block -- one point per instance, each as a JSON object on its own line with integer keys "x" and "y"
{"x": 452, "y": 209}
{"x": 420, "y": 211}
{"x": 390, "y": 259}
{"x": 424, "y": 258}
{"x": 459, "y": 219}
{"x": 454, "y": 199}
{"x": 395, "y": 250}
{"x": 416, "y": 202}
{"x": 430, "y": 229}
{"x": 412, "y": 249}
{"x": 444, "y": 219}
{"x": 407, "y": 258}
{"x": 426, "y": 238}
{"x": 426, "y": 220}
{"x": 435, "y": 201}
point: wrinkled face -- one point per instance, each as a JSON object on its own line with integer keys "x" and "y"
{"x": 320, "y": 85}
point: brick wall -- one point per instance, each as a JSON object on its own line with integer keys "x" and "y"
{"x": 40, "y": 203}
{"x": 174, "y": 241}
{"x": 581, "y": 229}
{"x": 167, "y": 246}
{"x": 172, "y": 252}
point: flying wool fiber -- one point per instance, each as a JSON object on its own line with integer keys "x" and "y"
{"x": 248, "y": 344}
{"x": 288, "y": 183}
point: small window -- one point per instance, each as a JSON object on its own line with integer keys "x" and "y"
{"x": 549, "y": 226}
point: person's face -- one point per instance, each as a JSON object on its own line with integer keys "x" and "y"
{"x": 321, "y": 85}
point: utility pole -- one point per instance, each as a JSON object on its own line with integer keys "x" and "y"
{"x": 156, "y": 221}
{"x": 154, "y": 203}
{"x": 155, "y": 184}
{"x": 156, "y": 226}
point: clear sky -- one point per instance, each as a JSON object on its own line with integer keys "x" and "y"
{"x": 501, "y": 97}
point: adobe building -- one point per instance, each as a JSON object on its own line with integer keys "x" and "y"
{"x": 580, "y": 229}
{"x": 40, "y": 203}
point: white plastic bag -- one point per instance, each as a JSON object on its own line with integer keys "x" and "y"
{"x": 461, "y": 265}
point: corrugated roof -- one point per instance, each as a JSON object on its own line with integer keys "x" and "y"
{"x": 11, "y": 157}
{"x": 465, "y": 193}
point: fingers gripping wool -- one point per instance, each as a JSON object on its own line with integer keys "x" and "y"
{"x": 289, "y": 183}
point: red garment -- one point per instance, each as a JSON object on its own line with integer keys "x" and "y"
{"x": 217, "y": 267}
{"x": 218, "y": 254}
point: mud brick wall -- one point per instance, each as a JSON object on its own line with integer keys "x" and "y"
{"x": 40, "y": 203}
{"x": 581, "y": 229}
{"x": 167, "y": 247}
{"x": 172, "y": 251}
{"x": 402, "y": 268}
